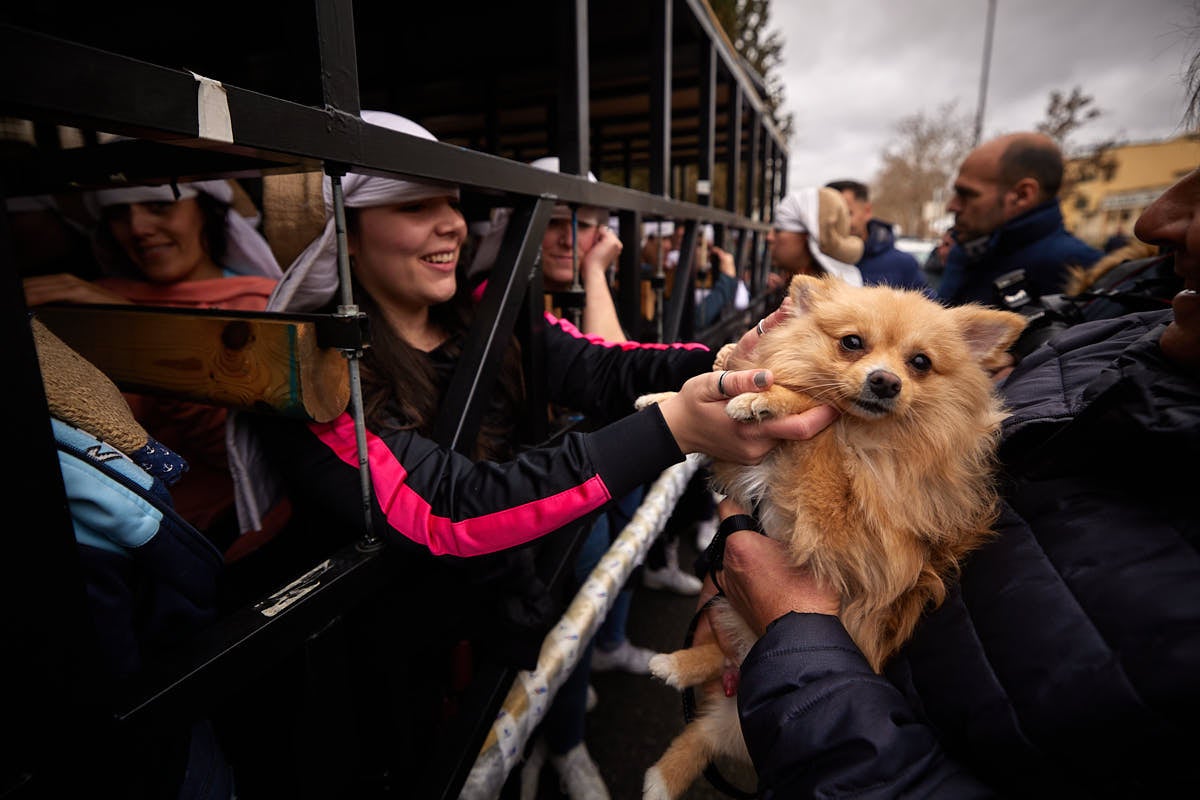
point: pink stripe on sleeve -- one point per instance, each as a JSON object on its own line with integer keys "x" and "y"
{"x": 411, "y": 515}
{"x": 626, "y": 345}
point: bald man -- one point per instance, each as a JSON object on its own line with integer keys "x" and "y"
{"x": 1006, "y": 217}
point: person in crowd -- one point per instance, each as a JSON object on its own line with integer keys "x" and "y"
{"x": 1007, "y": 217}
{"x": 577, "y": 248}
{"x": 935, "y": 263}
{"x": 662, "y": 570}
{"x": 811, "y": 236}
{"x": 659, "y": 239}
{"x": 716, "y": 289}
{"x": 1064, "y": 662}
{"x": 436, "y": 507}
{"x": 881, "y": 262}
{"x": 182, "y": 246}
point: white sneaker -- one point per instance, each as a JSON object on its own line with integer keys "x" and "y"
{"x": 672, "y": 578}
{"x": 579, "y": 776}
{"x": 531, "y": 770}
{"x": 625, "y": 657}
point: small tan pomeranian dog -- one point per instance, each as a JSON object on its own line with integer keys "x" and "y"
{"x": 883, "y": 504}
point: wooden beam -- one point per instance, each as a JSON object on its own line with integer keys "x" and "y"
{"x": 242, "y": 361}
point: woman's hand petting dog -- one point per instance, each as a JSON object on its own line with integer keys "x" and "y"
{"x": 697, "y": 419}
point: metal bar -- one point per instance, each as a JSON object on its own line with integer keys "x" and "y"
{"x": 708, "y": 117}
{"x": 225, "y": 655}
{"x": 348, "y": 310}
{"x": 41, "y": 75}
{"x": 339, "y": 59}
{"x": 752, "y": 158}
{"x": 629, "y": 275}
{"x": 573, "y": 117}
{"x": 681, "y": 287}
{"x": 733, "y": 157}
{"x": 660, "y": 97}
{"x": 467, "y": 396}
{"x": 733, "y": 65}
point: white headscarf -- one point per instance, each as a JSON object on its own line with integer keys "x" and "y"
{"x": 491, "y": 233}
{"x": 312, "y": 279}
{"x": 246, "y": 251}
{"x": 800, "y": 211}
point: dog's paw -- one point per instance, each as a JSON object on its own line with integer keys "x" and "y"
{"x": 654, "y": 786}
{"x": 749, "y": 406}
{"x": 647, "y": 400}
{"x": 662, "y": 666}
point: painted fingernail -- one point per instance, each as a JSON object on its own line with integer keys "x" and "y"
{"x": 760, "y": 378}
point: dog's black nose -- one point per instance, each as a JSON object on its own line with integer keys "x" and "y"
{"x": 884, "y": 385}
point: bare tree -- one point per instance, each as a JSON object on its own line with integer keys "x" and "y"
{"x": 919, "y": 166}
{"x": 1065, "y": 115}
{"x": 747, "y": 22}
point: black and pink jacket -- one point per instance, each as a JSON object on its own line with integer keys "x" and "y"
{"x": 440, "y": 501}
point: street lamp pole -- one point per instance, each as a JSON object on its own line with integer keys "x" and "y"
{"x": 983, "y": 78}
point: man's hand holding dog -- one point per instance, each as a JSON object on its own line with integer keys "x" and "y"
{"x": 762, "y": 584}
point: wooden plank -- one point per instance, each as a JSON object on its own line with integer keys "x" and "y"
{"x": 243, "y": 361}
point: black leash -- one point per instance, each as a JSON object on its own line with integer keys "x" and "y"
{"x": 711, "y": 560}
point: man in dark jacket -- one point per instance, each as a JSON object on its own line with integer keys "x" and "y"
{"x": 1065, "y": 662}
{"x": 881, "y": 262}
{"x": 1006, "y": 217}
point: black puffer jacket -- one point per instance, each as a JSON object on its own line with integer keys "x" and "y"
{"x": 1067, "y": 662}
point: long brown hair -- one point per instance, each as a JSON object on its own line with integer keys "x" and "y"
{"x": 404, "y": 390}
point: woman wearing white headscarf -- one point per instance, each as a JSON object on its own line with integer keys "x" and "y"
{"x": 811, "y": 235}
{"x": 169, "y": 245}
{"x": 181, "y": 246}
{"x": 405, "y": 239}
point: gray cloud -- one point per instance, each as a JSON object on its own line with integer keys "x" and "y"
{"x": 854, "y": 69}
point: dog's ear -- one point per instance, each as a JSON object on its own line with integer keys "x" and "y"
{"x": 804, "y": 291}
{"x": 988, "y": 332}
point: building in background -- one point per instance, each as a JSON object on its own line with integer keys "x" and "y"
{"x": 1107, "y": 205}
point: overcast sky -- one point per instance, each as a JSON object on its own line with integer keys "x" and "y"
{"x": 853, "y": 69}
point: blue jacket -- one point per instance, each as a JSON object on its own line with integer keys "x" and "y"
{"x": 1036, "y": 241}
{"x": 711, "y": 302}
{"x": 881, "y": 262}
{"x": 1065, "y": 662}
{"x": 151, "y": 581}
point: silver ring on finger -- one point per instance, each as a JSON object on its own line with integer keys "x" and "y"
{"x": 759, "y": 327}
{"x": 721, "y": 383}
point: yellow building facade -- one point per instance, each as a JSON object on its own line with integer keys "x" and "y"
{"x": 1095, "y": 210}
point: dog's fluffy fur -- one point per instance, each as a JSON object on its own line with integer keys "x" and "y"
{"x": 884, "y": 503}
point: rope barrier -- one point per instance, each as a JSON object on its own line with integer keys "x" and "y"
{"x": 532, "y": 692}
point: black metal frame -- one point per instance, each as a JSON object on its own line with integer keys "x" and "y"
{"x": 55, "y": 80}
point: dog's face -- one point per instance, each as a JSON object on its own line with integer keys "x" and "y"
{"x": 878, "y": 353}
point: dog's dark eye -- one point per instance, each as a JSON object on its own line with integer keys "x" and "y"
{"x": 852, "y": 342}
{"x": 921, "y": 363}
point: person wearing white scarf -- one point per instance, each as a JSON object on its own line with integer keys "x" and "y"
{"x": 312, "y": 279}
{"x": 822, "y": 217}
{"x": 246, "y": 251}
{"x": 309, "y": 284}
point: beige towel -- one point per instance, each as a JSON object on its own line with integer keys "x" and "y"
{"x": 83, "y": 396}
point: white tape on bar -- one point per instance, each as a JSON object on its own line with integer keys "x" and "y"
{"x": 212, "y": 107}
{"x": 531, "y": 692}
